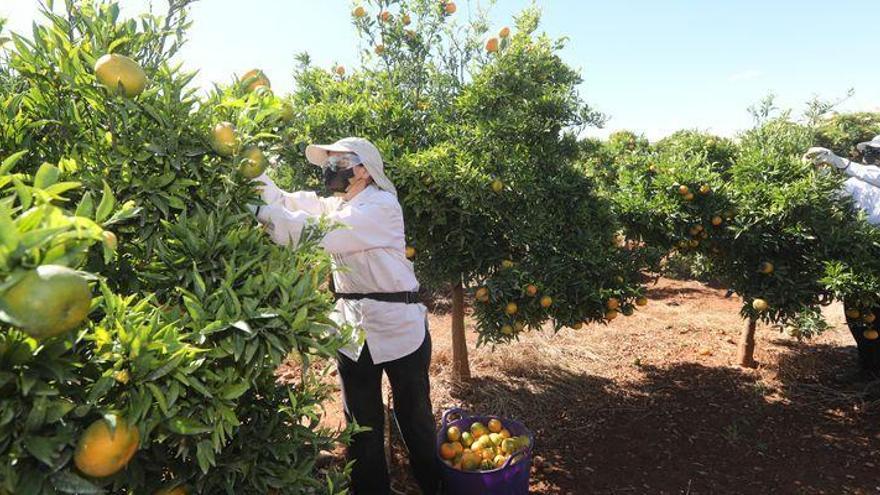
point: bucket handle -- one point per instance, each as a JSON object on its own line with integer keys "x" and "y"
{"x": 455, "y": 411}
{"x": 516, "y": 455}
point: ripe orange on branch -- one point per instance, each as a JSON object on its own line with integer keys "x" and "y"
{"x": 504, "y": 33}
{"x": 48, "y": 301}
{"x": 105, "y": 449}
{"x": 253, "y": 162}
{"x": 492, "y": 45}
{"x": 114, "y": 70}
{"x": 255, "y": 78}
{"x": 223, "y": 139}
{"x": 760, "y": 305}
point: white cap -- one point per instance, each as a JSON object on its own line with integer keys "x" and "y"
{"x": 370, "y": 157}
{"x": 874, "y": 143}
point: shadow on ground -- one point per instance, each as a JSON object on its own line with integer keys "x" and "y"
{"x": 689, "y": 428}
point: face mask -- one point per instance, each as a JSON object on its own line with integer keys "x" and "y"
{"x": 337, "y": 181}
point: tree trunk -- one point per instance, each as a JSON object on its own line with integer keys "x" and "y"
{"x": 461, "y": 370}
{"x": 747, "y": 345}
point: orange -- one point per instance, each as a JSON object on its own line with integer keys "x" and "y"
{"x": 610, "y": 315}
{"x": 254, "y": 79}
{"x": 109, "y": 239}
{"x": 869, "y": 317}
{"x": 478, "y": 429}
{"x": 447, "y": 451}
{"x": 359, "y": 11}
{"x": 253, "y": 162}
{"x": 102, "y": 451}
{"x": 410, "y": 252}
{"x": 871, "y": 334}
{"x": 179, "y": 490}
{"x": 114, "y": 71}
{"x": 683, "y": 190}
{"x": 504, "y": 33}
{"x": 223, "y": 139}
{"x": 495, "y": 425}
{"x": 467, "y": 439}
{"x": 531, "y": 290}
{"x": 760, "y": 305}
{"x": 340, "y": 70}
{"x": 642, "y": 301}
{"x": 385, "y": 16}
{"x": 497, "y": 186}
{"x": 450, "y": 8}
{"x": 48, "y": 301}
{"x": 453, "y": 434}
{"x": 716, "y": 220}
{"x": 506, "y": 330}
{"x": 482, "y": 294}
{"x": 689, "y": 196}
{"x": 766, "y": 268}
{"x": 613, "y": 303}
{"x": 546, "y": 301}
{"x": 577, "y": 326}
{"x": 470, "y": 462}
{"x": 853, "y": 313}
{"x": 508, "y": 446}
{"x": 380, "y": 49}
{"x": 705, "y": 189}
{"x": 511, "y": 308}
{"x": 492, "y": 45}
{"x": 505, "y": 433}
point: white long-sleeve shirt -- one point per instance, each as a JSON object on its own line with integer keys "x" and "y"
{"x": 864, "y": 187}
{"x": 369, "y": 255}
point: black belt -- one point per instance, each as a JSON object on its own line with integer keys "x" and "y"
{"x": 393, "y": 297}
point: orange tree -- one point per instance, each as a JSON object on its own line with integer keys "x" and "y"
{"x": 479, "y": 137}
{"x": 196, "y": 308}
{"x": 768, "y": 225}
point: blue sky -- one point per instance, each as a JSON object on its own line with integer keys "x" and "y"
{"x": 653, "y": 66}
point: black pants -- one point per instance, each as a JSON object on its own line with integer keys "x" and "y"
{"x": 362, "y": 396}
{"x": 869, "y": 350}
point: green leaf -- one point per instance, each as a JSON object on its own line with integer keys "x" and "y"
{"x": 44, "y": 449}
{"x": 9, "y": 235}
{"x": 159, "y": 396}
{"x": 234, "y": 391}
{"x": 10, "y": 162}
{"x": 188, "y": 426}
{"x": 108, "y": 201}
{"x": 68, "y": 482}
{"x": 86, "y": 207}
{"x": 205, "y": 455}
{"x": 46, "y": 176}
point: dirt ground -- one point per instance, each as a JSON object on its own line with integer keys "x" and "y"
{"x": 653, "y": 403}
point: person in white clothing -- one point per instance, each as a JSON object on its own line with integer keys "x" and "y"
{"x": 864, "y": 188}
{"x": 376, "y": 290}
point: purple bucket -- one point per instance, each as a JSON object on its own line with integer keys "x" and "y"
{"x": 510, "y": 479}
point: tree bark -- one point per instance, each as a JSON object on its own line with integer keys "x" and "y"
{"x": 461, "y": 370}
{"x": 747, "y": 345}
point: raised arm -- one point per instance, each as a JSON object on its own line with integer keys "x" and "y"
{"x": 306, "y": 201}
{"x": 866, "y": 173}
